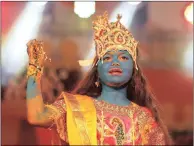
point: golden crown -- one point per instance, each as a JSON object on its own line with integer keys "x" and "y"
{"x": 113, "y": 36}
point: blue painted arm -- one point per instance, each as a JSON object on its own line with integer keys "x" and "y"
{"x": 37, "y": 112}
{"x": 32, "y": 88}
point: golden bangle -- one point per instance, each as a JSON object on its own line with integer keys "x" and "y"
{"x": 36, "y": 66}
{"x": 33, "y": 71}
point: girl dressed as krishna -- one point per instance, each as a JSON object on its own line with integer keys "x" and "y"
{"x": 112, "y": 105}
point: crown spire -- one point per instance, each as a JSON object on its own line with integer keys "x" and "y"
{"x": 119, "y": 17}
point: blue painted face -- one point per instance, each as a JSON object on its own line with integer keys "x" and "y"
{"x": 116, "y": 68}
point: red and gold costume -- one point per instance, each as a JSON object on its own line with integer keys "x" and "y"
{"x": 87, "y": 121}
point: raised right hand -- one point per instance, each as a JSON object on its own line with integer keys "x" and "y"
{"x": 36, "y": 52}
{"x": 37, "y": 112}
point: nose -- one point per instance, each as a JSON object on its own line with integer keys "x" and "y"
{"x": 115, "y": 64}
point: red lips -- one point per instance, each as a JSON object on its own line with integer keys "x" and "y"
{"x": 115, "y": 72}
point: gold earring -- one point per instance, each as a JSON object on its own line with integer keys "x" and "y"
{"x": 97, "y": 83}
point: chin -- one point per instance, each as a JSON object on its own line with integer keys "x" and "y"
{"x": 115, "y": 85}
{"x": 116, "y": 82}
{"x": 116, "y": 79}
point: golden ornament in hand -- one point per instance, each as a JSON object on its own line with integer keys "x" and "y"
{"x": 36, "y": 53}
{"x": 37, "y": 56}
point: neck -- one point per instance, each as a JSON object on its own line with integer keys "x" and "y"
{"x": 114, "y": 95}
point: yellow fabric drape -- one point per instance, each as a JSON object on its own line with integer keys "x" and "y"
{"x": 81, "y": 120}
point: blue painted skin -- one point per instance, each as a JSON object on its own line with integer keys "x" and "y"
{"x": 111, "y": 92}
{"x": 32, "y": 88}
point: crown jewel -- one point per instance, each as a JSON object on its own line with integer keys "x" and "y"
{"x": 113, "y": 36}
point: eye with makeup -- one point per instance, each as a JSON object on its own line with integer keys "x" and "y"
{"x": 123, "y": 57}
{"x": 107, "y": 58}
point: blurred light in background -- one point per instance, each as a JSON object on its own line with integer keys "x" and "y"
{"x": 84, "y": 9}
{"x": 127, "y": 12}
{"x": 188, "y": 59}
{"x": 39, "y": 3}
{"x": 188, "y": 13}
{"x": 188, "y": 55}
{"x": 14, "y": 50}
{"x": 134, "y": 3}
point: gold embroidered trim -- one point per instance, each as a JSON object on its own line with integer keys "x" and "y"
{"x": 119, "y": 132}
{"x": 55, "y": 112}
{"x": 101, "y": 120}
{"x": 58, "y": 120}
{"x": 119, "y": 110}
